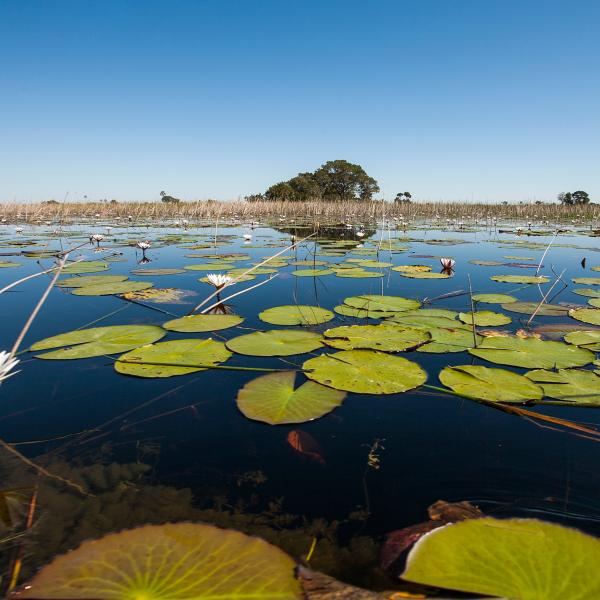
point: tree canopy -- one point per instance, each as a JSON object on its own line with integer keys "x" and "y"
{"x": 571, "y": 198}
{"x": 334, "y": 180}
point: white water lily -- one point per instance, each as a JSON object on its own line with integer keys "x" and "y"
{"x": 218, "y": 280}
{"x": 447, "y": 263}
{"x": 144, "y": 245}
{"x": 7, "y": 364}
{"x": 248, "y": 236}
{"x": 18, "y": 230}
{"x": 96, "y": 237}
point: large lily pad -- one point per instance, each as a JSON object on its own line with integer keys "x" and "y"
{"x": 312, "y": 272}
{"x": 450, "y": 340}
{"x": 365, "y": 372}
{"x": 150, "y": 272}
{"x": 98, "y": 341}
{"x": 585, "y": 339}
{"x": 277, "y": 342}
{"x": 586, "y": 315}
{"x": 532, "y": 353}
{"x": 494, "y": 298}
{"x": 89, "y": 266}
{"x": 296, "y": 315}
{"x": 595, "y": 302}
{"x": 7, "y": 264}
{"x": 386, "y": 337}
{"x": 569, "y": 385}
{"x": 523, "y": 559}
{"x": 426, "y": 275}
{"x": 168, "y": 562}
{"x": 429, "y": 318}
{"x": 484, "y": 318}
{"x": 108, "y": 289}
{"x": 412, "y": 269}
{"x": 220, "y": 266}
{"x": 586, "y": 280}
{"x": 589, "y": 292}
{"x": 76, "y": 282}
{"x": 357, "y": 273}
{"x": 493, "y": 385}
{"x": 202, "y": 323}
{"x": 374, "y": 302}
{"x": 526, "y": 279}
{"x": 272, "y": 399}
{"x": 544, "y": 310}
{"x": 177, "y": 357}
{"x": 350, "y": 311}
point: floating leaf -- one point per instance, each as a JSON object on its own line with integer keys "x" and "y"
{"x": 387, "y": 337}
{"x": 8, "y": 264}
{"x": 494, "y": 385}
{"x": 150, "y": 272}
{"x": 203, "y": 323}
{"x": 494, "y": 298}
{"x": 350, "y": 311}
{"x": 544, "y": 310}
{"x": 165, "y": 562}
{"x": 177, "y": 357}
{"x": 76, "y": 282}
{"x": 296, "y": 315}
{"x": 90, "y": 266}
{"x": 585, "y": 339}
{"x": 590, "y": 292}
{"x": 98, "y": 341}
{"x": 312, "y": 272}
{"x": 277, "y": 342}
{"x": 586, "y": 315}
{"x": 429, "y": 318}
{"x": 220, "y": 266}
{"x": 373, "y": 302}
{"x": 519, "y": 279}
{"x": 272, "y": 399}
{"x": 412, "y": 268}
{"x": 426, "y": 275}
{"x": 365, "y": 372}
{"x": 487, "y": 263}
{"x": 532, "y": 353}
{"x": 524, "y": 559}
{"x": 449, "y": 340}
{"x": 357, "y": 273}
{"x": 586, "y": 280}
{"x": 595, "y": 302}
{"x": 308, "y": 263}
{"x": 108, "y": 289}
{"x": 373, "y": 264}
{"x": 159, "y": 295}
{"x": 484, "y": 318}
{"x": 569, "y": 385}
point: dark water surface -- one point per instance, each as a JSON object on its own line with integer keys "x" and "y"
{"x": 190, "y": 433}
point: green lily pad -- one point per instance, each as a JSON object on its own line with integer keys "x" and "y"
{"x": 426, "y": 275}
{"x": 365, "y": 372}
{"x": 586, "y": 315}
{"x": 308, "y": 263}
{"x": 590, "y": 292}
{"x": 585, "y": 339}
{"x": 412, "y": 269}
{"x": 487, "y": 263}
{"x": 150, "y": 272}
{"x": 545, "y": 310}
{"x": 429, "y": 318}
{"x": 220, "y": 266}
{"x": 98, "y": 341}
{"x": 165, "y": 562}
{"x": 494, "y": 298}
{"x": 525, "y": 279}
{"x": 532, "y": 353}
{"x": 373, "y": 302}
{"x": 177, "y": 357}
{"x": 357, "y": 273}
{"x": 296, "y": 315}
{"x": 6, "y": 264}
{"x": 203, "y": 323}
{"x": 277, "y": 342}
{"x": 362, "y": 313}
{"x": 257, "y": 271}
{"x": 484, "y": 318}
{"x": 76, "y": 282}
{"x": 569, "y": 385}
{"x": 273, "y": 399}
{"x": 493, "y": 385}
{"x": 89, "y": 266}
{"x": 312, "y": 272}
{"x": 449, "y": 340}
{"x": 595, "y": 302}
{"x": 108, "y": 289}
{"x": 523, "y": 559}
{"x": 372, "y": 264}
{"x": 586, "y": 280}
{"x": 387, "y": 337}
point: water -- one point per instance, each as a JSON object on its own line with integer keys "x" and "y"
{"x": 242, "y": 473}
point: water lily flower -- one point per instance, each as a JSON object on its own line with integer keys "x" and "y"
{"x": 96, "y": 237}
{"x": 7, "y": 364}
{"x": 447, "y": 263}
{"x": 360, "y": 234}
{"x": 18, "y": 230}
{"x": 248, "y": 236}
{"x": 219, "y": 280}
{"x": 144, "y": 245}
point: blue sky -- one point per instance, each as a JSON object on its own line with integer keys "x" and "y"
{"x": 456, "y": 100}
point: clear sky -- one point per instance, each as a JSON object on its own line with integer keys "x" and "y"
{"x": 449, "y": 99}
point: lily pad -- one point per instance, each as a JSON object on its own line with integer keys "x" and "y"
{"x": 493, "y": 385}
{"x": 150, "y": 272}
{"x": 595, "y": 302}
{"x": 296, "y": 315}
{"x": 203, "y": 323}
{"x": 108, "y": 289}
{"x": 164, "y": 562}
{"x": 484, "y": 318}
{"x": 586, "y": 280}
{"x": 177, "y": 357}
{"x": 362, "y": 313}
{"x": 98, "y": 341}
{"x": 429, "y": 318}
{"x": 590, "y": 292}
{"x": 277, "y": 342}
{"x": 75, "y": 282}
{"x": 569, "y": 385}
{"x": 585, "y": 339}
{"x": 312, "y": 272}
{"x": 373, "y": 302}
{"x": 412, "y": 269}
{"x": 357, "y": 273}
{"x": 365, "y": 372}
{"x": 273, "y": 399}
{"x": 426, "y": 275}
{"x": 525, "y": 279}
{"x": 494, "y": 298}
{"x": 90, "y": 266}
{"x": 586, "y": 315}
{"x": 545, "y": 310}
{"x": 450, "y": 340}
{"x": 532, "y": 353}
{"x": 4, "y": 264}
{"x": 523, "y": 559}
{"x": 387, "y": 337}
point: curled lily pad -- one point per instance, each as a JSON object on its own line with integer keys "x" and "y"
{"x": 526, "y": 279}
{"x": 89, "y": 266}
{"x": 75, "y": 282}
{"x": 585, "y": 339}
{"x": 512, "y": 558}
{"x": 108, "y": 289}
{"x": 365, "y": 372}
{"x": 532, "y": 353}
{"x": 387, "y": 337}
{"x": 98, "y": 341}
{"x": 494, "y": 298}
{"x": 586, "y": 315}
{"x": 272, "y": 399}
{"x": 165, "y": 562}
{"x": 493, "y": 385}
{"x": 203, "y": 323}
{"x": 544, "y": 310}
{"x": 450, "y": 340}
{"x": 484, "y": 318}
{"x": 312, "y": 272}
{"x": 296, "y": 315}
{"x": 277, "y": 342}
{"x": 373, "y": 302}
{"x": 569, "y": 385}
{"x": 177, "y": 357}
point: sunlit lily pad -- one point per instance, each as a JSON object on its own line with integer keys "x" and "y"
{"x": 374, "y": 302}
{"x": 350, "y": 311}
{"x": 177, "y": 357}
{"x": 365, "y": 372}
{"x": 532, "y": 353}
{"x": 98, "y": 341}
{"x": 108, "y": 289}
{"x": 159, "y": 295}
{"x": 586, "y": 315}
{"x": 590, "y": 292}
{"x": 373, "y": 264}
{"x": 586, "y": 339}
{"x": 149, "y": 272}
{"x": 595, "y": 302}
{"x": 388, "y": 337}
{"x": 166, "y": 562}
{"x": 90, "y": 266}
{"x": 522, "y": 559}
{"x": 277, "y": 342}
{"x": 203, "y": 323}
{"x": 545, "y": 310}
{"x": 273, "y": 399}
{"x": 494, "y": 298}
{"x": 525, "y": 279}
{"x": 296, "y": 315}
{"x": 8, "y": 264}
{"x": 493, "y": 385}
{"x": 412, "y": 268}
{"x": 426, "y": 275}
{"x": 220, "y": 266}
{"x": 569, "y": 385}
{"x": 357, "y": 273}
{"x": 586, "y": 280}
{"x": 428, "y": 317}
{"x": 450, "y": 340}
{"x": 484, "y": 318}
{"x": 75, "y": 282}
{"x": 312, "y": 272}
{"x": 308, "y": 263}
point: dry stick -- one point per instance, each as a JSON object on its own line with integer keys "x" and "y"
{"x": 535, "y": 312}
{"x": 545, "y": 252}
{"x": 237, "y": 294}
{"x": 15, "y": 283}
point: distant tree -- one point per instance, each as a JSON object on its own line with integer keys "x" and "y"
{"x": 113, "y": 201}
{"x": 538, "y": 202}
{"x": 578, "y": 197}
{"x": 164, "y": 197}
{"x": 281, "y": 191}
{"x": 254, "y": 198}
{"x": 565, "y": 198}
{"x": 403, "y": 197}
{"x": 306, "y": 186}
{"x": 51, "y": 201}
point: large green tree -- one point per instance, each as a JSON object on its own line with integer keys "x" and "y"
{"x": 571, "y": 198}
